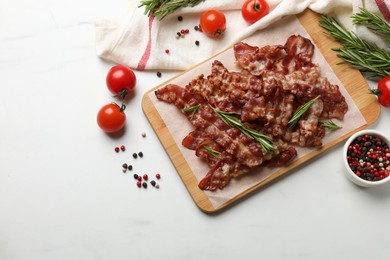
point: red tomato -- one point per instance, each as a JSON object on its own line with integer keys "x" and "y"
{"x": 111, "y": 118}
{"x": 254, "y": 10}
{"x": 213, "y": 23}
{"x": 120, "y": 80}
{"x": 383, "y": 91}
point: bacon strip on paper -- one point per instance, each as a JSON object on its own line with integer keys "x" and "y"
{"x": 274, "y": 81}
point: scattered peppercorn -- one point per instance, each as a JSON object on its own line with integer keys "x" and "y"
{"x": 135, "y": 156}
{"x": 159, "y": 74}
{"x": 141, "y": 154}
{"x": 135, "y": 176}
{"x": 180, "y": 18}
{"x": 196, "y": 28}
{"x": 116, "y": 149}
{"x": 145, "y": 185}
{"x": 139, "y": 184}
{"x": 167, "y": 51}
{"x": 123, "y": 148}
{"x": 197, "y": 43}
{"x": 145, "y": 177}
{"x": 130, "y": 167}
{"x": 157, "y": 186}
{"x": 139, "y": 178}
{"x": 153, "y": 182}
{"x": 158, "y": 176}
{"x": 124, "y": 166}
{"x": 143, "y": 135}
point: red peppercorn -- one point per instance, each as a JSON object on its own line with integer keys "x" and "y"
{"x": 139, "y": 184}
{"x": 158, "y": 176}
{"x": 117, "y": 149}
{"x": 166, "y": 51}
{"x": 139, "y": 178}
{"x": 123, "y": 148}
{"x": 145, "y": 177}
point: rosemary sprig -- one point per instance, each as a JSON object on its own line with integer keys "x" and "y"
{"x": 300, "y": 112}
{"x": 161, "y": 8}
{"x": 331, "y": 126}
{"x": 359, "y": 53}
{"x": 192, "y": 109}
{"x": 229, "y": 119}
{"x": 373, "y": 22}
{"x": 211, "y": 151}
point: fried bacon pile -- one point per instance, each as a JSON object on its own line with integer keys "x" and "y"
{"x": 274, "y": 81}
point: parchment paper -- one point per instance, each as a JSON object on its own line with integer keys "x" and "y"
{"x": 179, "y": 126}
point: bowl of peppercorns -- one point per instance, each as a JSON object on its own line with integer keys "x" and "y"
{"x": 366, "y": 157}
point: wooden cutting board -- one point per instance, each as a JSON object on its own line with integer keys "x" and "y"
{"x": 352, "y": 80}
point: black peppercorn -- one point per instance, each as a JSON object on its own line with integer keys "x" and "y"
{"x": 135, "y": 155}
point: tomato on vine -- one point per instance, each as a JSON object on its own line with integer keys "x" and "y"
{"x": 111, "y": 118}
{"x": 254, "y": 10}
{"x": 120, "y": 81}
{"x": 383, "y": 91}
{"x": 213, "y": 23}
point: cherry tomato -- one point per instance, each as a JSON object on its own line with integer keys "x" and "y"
{"x": 120, "y": 80}
{"x": 383, "y": 91}
{"x": 213, "y": 23}
{"x": 111, "y": 118}
{"x": 254, "y": 10}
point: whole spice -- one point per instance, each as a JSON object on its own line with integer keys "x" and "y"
{"x": 145, "y": 177}
{"x": 117, "y": 149}
{"x": 124, "y": 167}
{"x": 369, "y": 158}
{"x": 123, "y": 148}
{"x": 158, "y": 176}
{"x": 141, "y": 154}
{"x": 135, "y": 176}
{"x": 135, "y": 155}
{"x": 145, "y": 185}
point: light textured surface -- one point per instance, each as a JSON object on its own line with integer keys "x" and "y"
{"x": 63, "y": 194}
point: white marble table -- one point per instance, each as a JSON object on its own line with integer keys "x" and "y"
{"x": 63, "y": 194}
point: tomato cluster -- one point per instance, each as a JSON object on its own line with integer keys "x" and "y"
{"x": 213, "y": 22}
{"x": 120, "y": 81}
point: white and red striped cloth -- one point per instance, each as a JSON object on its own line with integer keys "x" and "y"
{"x": 140, "y": 42}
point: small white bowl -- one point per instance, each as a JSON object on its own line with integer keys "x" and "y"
{"x": 349, "y": 173}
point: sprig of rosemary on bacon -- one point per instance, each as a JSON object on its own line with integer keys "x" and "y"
{"x": 361, "y": 54}
{"x": 231, "y": 120}
{"x": 191, "y": 109}
{"x": 161, "y": 8}
{"x": 211, "y": 151}
{"x": 300, "y": 112}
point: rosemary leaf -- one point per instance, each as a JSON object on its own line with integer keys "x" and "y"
{"x": 359, "y": 53}
{"x": 192, "y": 109}
{"x": 161, "y": 8}
{"x": 373, "y": 22}
{"x": 331, "y": 126}
{"x": 300, "y": 112}
{"x": 211, "y": 151}
{"x": 264, "y": 141}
